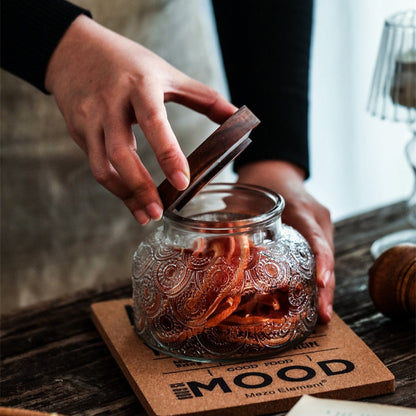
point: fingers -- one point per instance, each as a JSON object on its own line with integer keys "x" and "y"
{"x": 326, "y": 300}
{"x": 100, "y": 166}
{"x": 200, "y": 97}
{"x": 305, "y": 214}
{"x": 115, "y": 165}
{"x": 142, "y": 197}
{"x": 151, "y": 115}
{"x": 320, "y": 237}
{"x": 115, "y": 82}
{"x": 323, "y": 217}
{"x": 316, "y": 227}
{"x": 111, "y": 149}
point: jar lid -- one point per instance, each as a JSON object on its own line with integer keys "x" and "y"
{"x": 211, "y": 157}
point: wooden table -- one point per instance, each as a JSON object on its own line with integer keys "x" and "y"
{"x": 54, "y": 360}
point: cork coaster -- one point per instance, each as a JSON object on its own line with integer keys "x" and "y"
{"x": 333, "y": 363}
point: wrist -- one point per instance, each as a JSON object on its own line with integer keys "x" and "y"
{"x": 71, "y": 41}
{"x": 272, "y": 174}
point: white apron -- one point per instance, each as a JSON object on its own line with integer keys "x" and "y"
{"x": 61, "y": 231}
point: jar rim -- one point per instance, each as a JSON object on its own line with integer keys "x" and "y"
{"x": 238, "y": 224}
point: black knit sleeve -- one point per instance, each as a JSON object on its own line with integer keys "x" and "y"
{"x": 30, "y": 32}
{"x": 265, "y": 47}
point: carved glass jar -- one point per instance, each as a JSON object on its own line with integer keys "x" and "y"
{"x": 224, "y": 279}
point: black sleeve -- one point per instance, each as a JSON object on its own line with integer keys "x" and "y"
{"x": 30, "y": 32}
{"x": 265, "y": 46}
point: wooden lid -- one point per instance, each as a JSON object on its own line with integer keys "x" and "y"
{"x": 211, "y": 157}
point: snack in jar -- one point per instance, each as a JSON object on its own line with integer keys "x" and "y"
{"x": 223, "y": 279}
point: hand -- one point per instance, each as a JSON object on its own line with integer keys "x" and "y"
{"x": 104, "y": 83}
{"x": 303, "y": 213}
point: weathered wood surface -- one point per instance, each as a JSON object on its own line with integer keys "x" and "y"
{"x": 54, "y": 360}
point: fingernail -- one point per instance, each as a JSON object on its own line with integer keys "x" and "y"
{"x": 329, "y": 311}
{"x": 179, "y": 180}
{"x": 154, "y": 210}
{"x": 326, "y": 278}
{"x": 141, "y": 216}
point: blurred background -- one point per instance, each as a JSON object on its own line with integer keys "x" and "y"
{"x": 358, "y": 161}
{"x": 61, "y": 232}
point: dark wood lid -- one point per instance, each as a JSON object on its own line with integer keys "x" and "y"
{"x": 208, "y": 159}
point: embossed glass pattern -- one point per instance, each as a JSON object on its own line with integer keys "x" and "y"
{"x": 224, "y": 279}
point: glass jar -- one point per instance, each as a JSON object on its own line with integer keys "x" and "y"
{"x": 224, "y": 279}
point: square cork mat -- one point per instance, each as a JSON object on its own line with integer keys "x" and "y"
{"x": 333, "y": 363}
